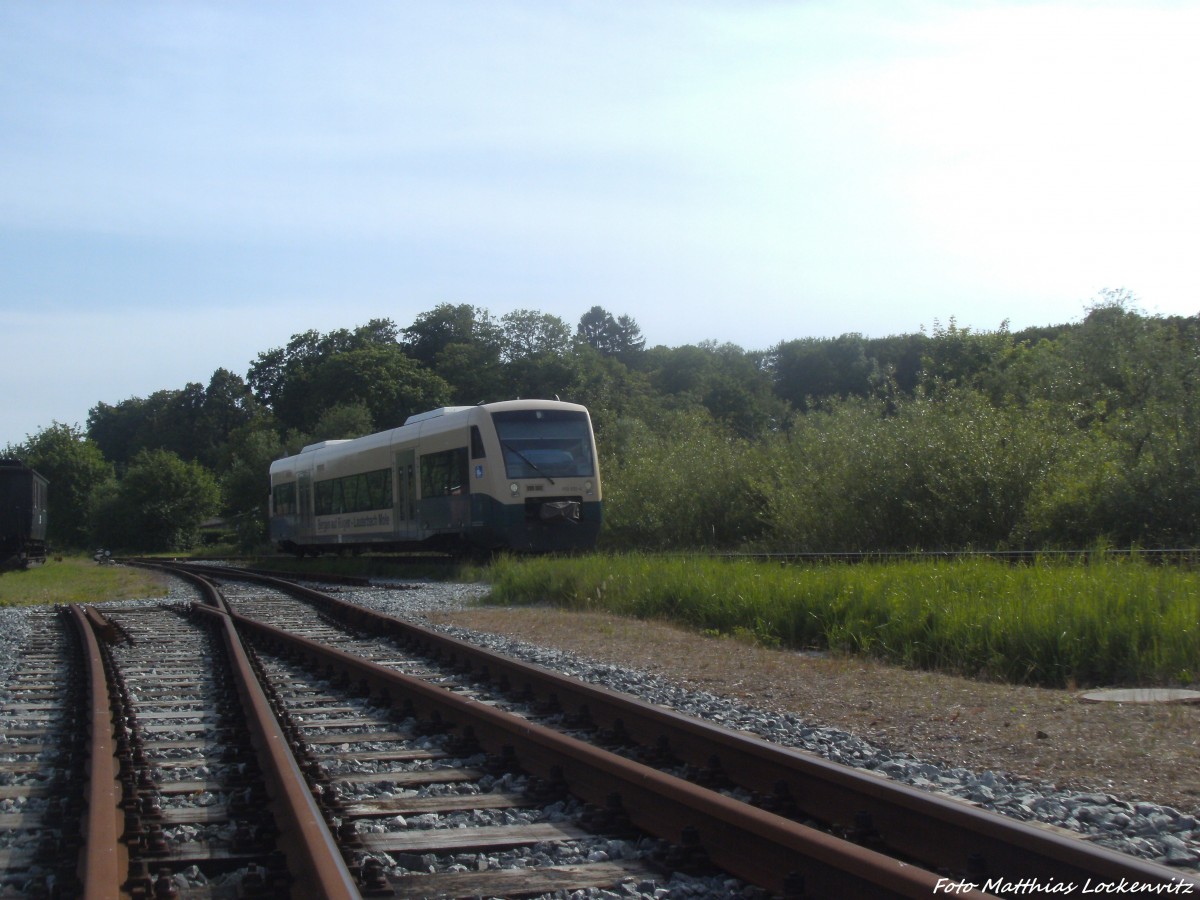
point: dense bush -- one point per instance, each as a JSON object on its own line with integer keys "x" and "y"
{"x": 1091, "y": 434}
{"x": 682, "y": 482}
{"x": 932, "y": 474}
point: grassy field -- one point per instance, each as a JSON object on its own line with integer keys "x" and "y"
{"x": 77, "y": 580}
{"x": 1107, "y": 622}
{"x": 1112, "y": 621}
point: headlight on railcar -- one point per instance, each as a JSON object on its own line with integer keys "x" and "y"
{"x": 588, "y": 487}
{"x": 514, "y": 489}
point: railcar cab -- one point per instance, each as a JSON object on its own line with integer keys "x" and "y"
{"x": 545, "y": 479}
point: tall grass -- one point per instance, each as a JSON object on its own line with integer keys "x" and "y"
{"x": 1107, "y": 621}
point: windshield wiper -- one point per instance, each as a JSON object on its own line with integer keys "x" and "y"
{"x": 529, "y": 462}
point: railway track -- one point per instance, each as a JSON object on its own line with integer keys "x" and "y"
{"x": 43, "y": 738}
{"x": 273, "y": 740}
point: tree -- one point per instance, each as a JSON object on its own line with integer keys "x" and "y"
{"x": 596, "y": 328}
{"x": 76, "y": 469}
{"x": 547, "y": 375}
{"x": 116, "y": 429}
{"x": 245, "y": 480}
{"x": 814, "y": 370}
{"x": 382, "y": 378}
{"x": 608, "y": 388}
{"x": 1128, "y": 382}
{"x": 933, "y": 473}
{"x": 731, "y": 384}
{"x": 345, "y": 421}
{"x": 462, "y": 344}
{"x": 158, "y": 505}
{"x": 960, "y": 357}
{"x": 228, "y": 405}
{"x": 897, "y": 359}
{"x": 620, "y": 337}
{"x": 537, "y": 355}
{"x": 628, "y": 337}
{"x": 1117, "y": 359}
{"x": 268, "y": 374}
{"x": 432, "y": 332}
{"x": 529, "y": 334}
{"x": 376, "y": 333}
{"x": 472, "y": 371}
{"x": 281, "y": 379}
{"x": 194, "y": 422}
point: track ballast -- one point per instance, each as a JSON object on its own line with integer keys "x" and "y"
{"x": 431, "y": 768}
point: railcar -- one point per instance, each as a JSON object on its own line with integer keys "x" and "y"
{"x": 23, "y": 498}
{"x": 518, "y": 475}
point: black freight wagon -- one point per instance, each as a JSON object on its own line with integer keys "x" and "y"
{"x": 22, "y": 515}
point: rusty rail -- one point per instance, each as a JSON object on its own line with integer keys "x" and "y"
{"x": 314, "y": 858}
{"x": 930, "y": 829}
{"x": 103, "y": 859}
{"x": 760, "y": 847}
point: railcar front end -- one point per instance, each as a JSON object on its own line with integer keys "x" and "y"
{"x": 519, "y": 475}
{"x": 543, "y": 491}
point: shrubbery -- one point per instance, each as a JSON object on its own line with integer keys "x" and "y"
{"x": 1003, "y": 444}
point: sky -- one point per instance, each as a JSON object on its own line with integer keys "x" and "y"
{"x": 186, "y": 185}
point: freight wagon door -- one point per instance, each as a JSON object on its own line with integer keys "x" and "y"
{"x": 14, "y": 504}
{"x": 405, "y": 477}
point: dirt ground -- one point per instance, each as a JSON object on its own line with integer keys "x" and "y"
{"x": 1133, "y": 751}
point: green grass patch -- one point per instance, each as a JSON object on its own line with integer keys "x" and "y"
{"x": 1109, "y": 621}
{"x": 78, "y": 580}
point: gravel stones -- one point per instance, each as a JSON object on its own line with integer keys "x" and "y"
{"x": 1146, "y": 830}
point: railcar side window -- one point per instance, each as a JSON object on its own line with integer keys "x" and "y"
{"x": 283, "y": 497}
{"x": 477, "y": 449}
{"x": 545, "y": 442}
{"x": 445, "y": 474}
{"x": 323, "y": 498}
{"x": 353, "y": 493}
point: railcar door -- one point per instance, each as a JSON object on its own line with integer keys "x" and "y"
{"x": 404, "y": 462}
{"x": 305, "y": 506}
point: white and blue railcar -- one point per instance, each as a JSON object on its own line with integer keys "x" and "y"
{"x": 520, "y": 475}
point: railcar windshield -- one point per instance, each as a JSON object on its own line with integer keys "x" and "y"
{"x": 541, "y": 443}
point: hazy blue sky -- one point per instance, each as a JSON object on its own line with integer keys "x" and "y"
{"x": 187, "y": 184}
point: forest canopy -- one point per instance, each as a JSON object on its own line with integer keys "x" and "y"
{"x": 1057, "y": 437}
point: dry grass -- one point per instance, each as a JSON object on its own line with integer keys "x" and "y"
{"x": 1135, "y": 751}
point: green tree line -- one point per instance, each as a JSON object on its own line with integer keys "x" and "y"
{"x": 1056, "y": 437}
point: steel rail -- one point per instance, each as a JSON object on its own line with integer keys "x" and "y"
{"x": 103, "y": 859}
{"x": 313, "y": 855}
{"x": 931, "y": 829}
{"x": 750, "y": 843}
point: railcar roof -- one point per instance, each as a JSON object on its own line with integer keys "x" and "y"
{"x": 9, "y": 466}
{"x": 433, "y": 422}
